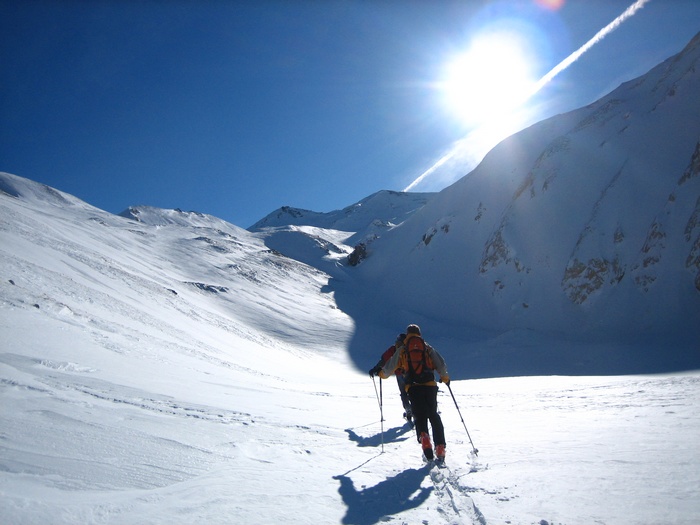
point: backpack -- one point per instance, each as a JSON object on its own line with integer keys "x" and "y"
{"x": 419, "y": 364}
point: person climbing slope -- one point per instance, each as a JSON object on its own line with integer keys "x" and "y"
{"x": 418, "y": 360}
{"x": 408, "y": 412}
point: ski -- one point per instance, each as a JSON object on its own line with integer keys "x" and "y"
{"x": 434, "y": 462}
{"x": 439, "y": 463}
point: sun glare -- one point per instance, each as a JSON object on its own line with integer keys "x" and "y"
{"x": 491, "y": 79}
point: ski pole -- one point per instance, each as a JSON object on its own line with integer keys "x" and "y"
{"x": 381, "y": 410}
{"x": 474, "y": 449}
{"x": 376, "y": 393}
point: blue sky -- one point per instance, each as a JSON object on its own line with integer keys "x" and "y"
{"x": 235, "y": 108}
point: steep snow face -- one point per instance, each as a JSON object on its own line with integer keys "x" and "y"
{"x": 585, "y": 224}
{"x": 197, "y": 265}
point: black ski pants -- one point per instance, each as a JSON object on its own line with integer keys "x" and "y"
{"x": 404, "y": 395}
{"x": 424, "y": 404}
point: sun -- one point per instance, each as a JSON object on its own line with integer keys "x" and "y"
{"x": 492, "y": 78}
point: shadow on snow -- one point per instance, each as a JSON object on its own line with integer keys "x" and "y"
{"x": 392, "y": 435}
{"x": 370, "y": 505}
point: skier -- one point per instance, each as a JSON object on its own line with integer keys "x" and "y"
{"x": 418, "y": 359}
{"x": 408, "y": 413}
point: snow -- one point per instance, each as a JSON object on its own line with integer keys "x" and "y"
{"x": 164, "y": 366}
{"x": 585, "y": 224}
{"x": 177, "y": 370}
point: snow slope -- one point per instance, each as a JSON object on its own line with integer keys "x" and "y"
{"x": 384, "y": 208}
{"x": 168, "y": 367}
{"x": 176, "y": 370}
{"x": 325, "y": 240}
{"x": 583, "y": 227}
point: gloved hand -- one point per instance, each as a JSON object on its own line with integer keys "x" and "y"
{"x": 374, "y": 371}
{"x": 445, "y": 379}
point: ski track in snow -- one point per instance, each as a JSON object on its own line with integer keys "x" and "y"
{"x": 456, "y": 505}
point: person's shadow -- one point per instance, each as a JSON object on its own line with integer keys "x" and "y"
{"x": 370, "y": 505}
{"x": 392, "y": 435}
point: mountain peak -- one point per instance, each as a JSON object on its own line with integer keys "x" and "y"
{"x": 153, "y": 216}
{"x": 575, "y": 225}
{"x": 29, "y": 190}
{"x": 385, "y": 206}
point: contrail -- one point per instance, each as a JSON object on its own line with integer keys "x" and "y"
{"x": 573, "y": 57}
{"x": 435, "y": 166}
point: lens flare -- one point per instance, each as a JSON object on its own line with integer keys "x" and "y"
{"x": 553, "y": 5}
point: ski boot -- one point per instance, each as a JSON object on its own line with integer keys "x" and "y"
{"x": 440, "y": 452}
{"x": 427, "y": 446}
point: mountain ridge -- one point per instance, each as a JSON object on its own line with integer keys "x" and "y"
{"x": 386, "y": 206}
{"x": 557, "y": 228}
{"x": 579, "y": 234}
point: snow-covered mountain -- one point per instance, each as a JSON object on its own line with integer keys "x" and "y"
{"x": 169, "y": 367}
{"x": 176, "y": 370}
{"x": 384, "y": 208}
{"x": 576, "y": 241}
{"x": 327, "y": 240}
{"x": 584, "y": 226}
